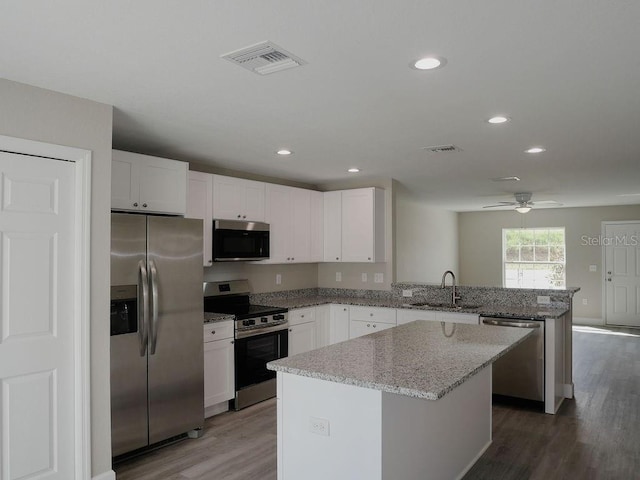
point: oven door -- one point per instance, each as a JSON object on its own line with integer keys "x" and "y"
{"x": 254, "y": 350}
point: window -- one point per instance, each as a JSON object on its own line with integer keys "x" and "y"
{"x": 533, "y": 257}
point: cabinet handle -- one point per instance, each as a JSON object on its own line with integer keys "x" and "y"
{"x": 144, "y": 205}
{"x": 337, "y": 258}
{"x": 301, "y": 316}
{"x": 213, "y": 332}
{"x": 209, "y": 261}
{"x": 608, "y": 279}
{"x": 374, "y": 325}
{"x": 344, "y": 309}
{"x": 292, "y": 258}
{"x": 244, "y": 216}
{"x": 239, "y": 216}
{"x": 232, "y": 342}
{"x": 135, "y": 204}
{"x": 371, "y": 314}
{"x": 368, "y": 324}
{"x": 369, "y": 258}
{"x": 608, "y": 273}
{"x": 291, "y": 329}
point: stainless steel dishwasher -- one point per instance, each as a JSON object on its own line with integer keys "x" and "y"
{"x": 520, "y": 372}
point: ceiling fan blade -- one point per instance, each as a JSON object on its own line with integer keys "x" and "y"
{"x": 502, "y": 204}
{"x": 545, "y": 202}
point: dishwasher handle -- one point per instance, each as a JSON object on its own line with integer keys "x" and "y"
{"x": 507, "y": 323}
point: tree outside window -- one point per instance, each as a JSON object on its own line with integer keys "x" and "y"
{"x": 534, "y": 258}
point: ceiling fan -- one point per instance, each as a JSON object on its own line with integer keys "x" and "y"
{"x": 523, "y": 203}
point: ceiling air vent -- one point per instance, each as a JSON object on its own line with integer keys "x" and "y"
{"x": 264, "y": 58}
{"x": 442, "y": 149}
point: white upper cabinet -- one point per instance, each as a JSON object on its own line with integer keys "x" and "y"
{"x": 200, "y": 205}
{"x": 294, "y": 215}
{"x": 143, "y": 183}
{"x": 354, "y": 225}
{"x": 332, "y": 226}
{"x": 238, "y": 199}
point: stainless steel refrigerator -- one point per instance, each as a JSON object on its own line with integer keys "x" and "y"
{"x": 157, "y": 378}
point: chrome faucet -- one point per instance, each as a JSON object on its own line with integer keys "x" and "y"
{"x": 454, "y": 297}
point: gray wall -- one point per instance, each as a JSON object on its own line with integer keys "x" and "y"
{"x": 481, "y": 247}
{"x": 45, "y": 116}
{"x": 262, "y": 278}
{"x": 426, "y": 240}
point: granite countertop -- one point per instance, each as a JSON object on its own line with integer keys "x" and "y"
{"x": 210, "y": 317}
{"x": 539, "y": 312}
{"x": 418, "y": 359}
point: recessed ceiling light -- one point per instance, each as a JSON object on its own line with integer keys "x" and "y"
{"x": 284, "y": 152}
{"x": 353, "y": 170}
{"x": 536, "y": 150}
{"x": 429, "y": 63}
{"x": 498, "y": 119}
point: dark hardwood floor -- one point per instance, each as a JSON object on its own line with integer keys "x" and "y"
{"x": 594, "y": 436}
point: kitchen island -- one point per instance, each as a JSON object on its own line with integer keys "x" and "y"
{"x": 410, "y": 402}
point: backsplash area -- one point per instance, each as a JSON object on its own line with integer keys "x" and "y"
{"x": 497, "y": 296}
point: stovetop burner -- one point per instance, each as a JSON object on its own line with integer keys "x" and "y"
{"x": 244, "y": 311}
{"x": 233, "y": 298}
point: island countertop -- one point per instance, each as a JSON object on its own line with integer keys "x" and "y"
{"x": 419, "y": 359}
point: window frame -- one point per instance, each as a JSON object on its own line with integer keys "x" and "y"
{"x": 504, "y": 260}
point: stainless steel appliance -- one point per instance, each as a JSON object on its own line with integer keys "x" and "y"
{"x": 157, "y": 390}
{"x": 261, "y": 335}
{"x": 240, "y": 241}
{"x": 520, "y": 372}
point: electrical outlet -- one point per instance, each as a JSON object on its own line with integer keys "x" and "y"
{"x": 278, "y": 279}
{"x": 364, "y": 278}
{"x": 544, "y": 300}
{"x": 585, "y": 302}
{"x": 378, "y": 278}
{"x": 319, "y": 426}
{"x": 338, "y": 276}
{"x": 407, "y": 293}
{"x": 593, "y": 268}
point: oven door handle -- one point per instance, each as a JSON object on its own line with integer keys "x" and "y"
{"x": 506, "y": 323}
{"x": 261, "y": 331}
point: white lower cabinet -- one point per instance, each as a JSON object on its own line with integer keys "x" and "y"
{"x": 409, "y": 315}
{"x": 338, "y": 323}
{"x": 302, "y": 330}
{"x": 365, "y": 320}
{"x": 458, "y": 317}
{"x": 218, "y": 363}
{"x": 323, "y": 325}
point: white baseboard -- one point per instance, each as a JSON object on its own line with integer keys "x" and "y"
{"x": 599, "y": 322}
{"x": 568, "y": 390}
{"x": 108, "y": 475}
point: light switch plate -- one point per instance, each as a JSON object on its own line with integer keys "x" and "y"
{"x": 319, "y": 426}
{"x": 364, "y": 277}
{"x": 593, "y": 268}
{"x": 378, "y": 278}
{"x": 338, "y": 276}
{"x": 407, "y": 293}
{"x": 278, "y": 279}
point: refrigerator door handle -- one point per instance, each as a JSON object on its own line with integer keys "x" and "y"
{"x": 153, "y": 331}
{"x": 143, "y": 307}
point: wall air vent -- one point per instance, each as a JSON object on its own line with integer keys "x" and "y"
{"x": 442, "y": 149}
{"x": 264, "y": 58}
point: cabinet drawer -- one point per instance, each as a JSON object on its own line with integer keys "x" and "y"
{"x": 470, "y": 318}
{"x": 218, "y": 331}
{"x": 302, "y": 315}
{"x": 377, "y": 314}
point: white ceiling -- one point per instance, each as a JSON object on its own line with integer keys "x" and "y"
{"x": 566, "y": 72}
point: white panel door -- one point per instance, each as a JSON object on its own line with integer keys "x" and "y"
{"x": 37, "y": 255}
{"x": 218, "y": 372}
{"x": 622, "y": 273}
{"x": 302, "y": 338}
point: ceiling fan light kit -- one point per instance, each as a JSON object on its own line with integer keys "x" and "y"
{"x": 523, "y": 209}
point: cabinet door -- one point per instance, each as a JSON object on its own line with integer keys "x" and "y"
{"x": 302, "y": 338}
{"x": 163, "y": 185}
{"x": 300, "y": 239}
{"x": 323, "y": 325}
{"x": 409, "y": 315}
{"x": 339, "y": 324}
{"x": 125, "y": 180}
{"x": 278, "y": 216}
{"x": 357, "y": 225}
{"x": 228, "y": 198}
{"x": 317, "y": 226}
{"x": 332, "y": 234}
{"x": 200, "y": 205}
{"x": 373, "y": 314}
{"x": 218, "y": 372}
{"x": 254, "y": 201}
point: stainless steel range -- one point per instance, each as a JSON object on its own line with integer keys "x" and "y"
{"x": 261, "y": 335}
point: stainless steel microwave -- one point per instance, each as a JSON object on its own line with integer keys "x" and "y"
{"x": 235, "y": 241}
